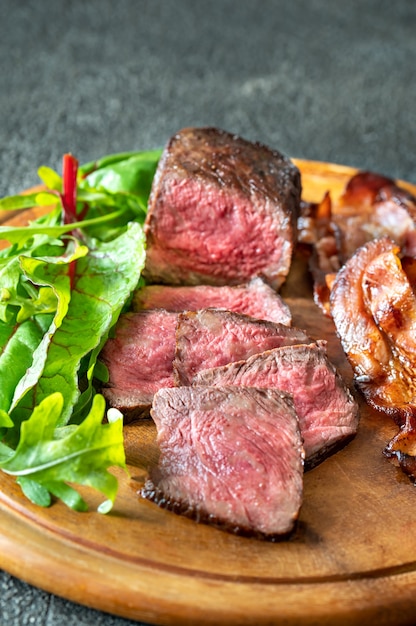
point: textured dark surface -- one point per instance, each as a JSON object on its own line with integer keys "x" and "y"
{"x": 316, "y": 79}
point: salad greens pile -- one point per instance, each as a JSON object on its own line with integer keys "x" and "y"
{"x": 64, "y": 280}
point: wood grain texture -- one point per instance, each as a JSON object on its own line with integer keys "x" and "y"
{"x": 351, "y": 561}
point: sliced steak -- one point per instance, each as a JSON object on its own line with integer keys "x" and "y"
{"x": 222, "y": 210}
{"x": 230, "y": 456}
{"x": 139, "y": 360}
{"x": 254, "y": 298}
{"x": 211, "y": 337}
{"x": 328, "y": 414}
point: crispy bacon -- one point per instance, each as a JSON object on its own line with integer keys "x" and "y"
{"x": 373, "y": 306}
{"x": 315, "y": 230}
{"x": 374, "y": 310}
{"x": 389, "y": 298}
{"x": 372, "y": 206}
{"x": 364, "y": 344}
{"x": 370, "y": 233}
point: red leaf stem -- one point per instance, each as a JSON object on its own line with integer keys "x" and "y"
{"x": 69, "y": 201}
{"x": 72, "y": 266}
{"x": 69, "y": 188}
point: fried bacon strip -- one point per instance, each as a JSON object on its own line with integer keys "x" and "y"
{"x": 391, "y": 301}
{"x": 363, "y": 263}
{"x": 366, "y": 347}
{"x": 373, "y": 306}
{"x": 372, "y": 206}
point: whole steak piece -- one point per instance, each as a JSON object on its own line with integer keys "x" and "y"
{"x": 328, "y": 414}
{"x": 230, "y": 456}
{"x": 222, "y": 210}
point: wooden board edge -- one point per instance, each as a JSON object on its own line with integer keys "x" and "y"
{"x": 78, "y": 574}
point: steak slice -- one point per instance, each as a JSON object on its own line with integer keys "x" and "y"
{"x": 139, "y": 360}
{"x": 254, "y": 298}
{"x": 328, "y": 414}
{"x": 230, "y": 456}
{"x": 222, "y": 210}
{"x": 211, "y": 337}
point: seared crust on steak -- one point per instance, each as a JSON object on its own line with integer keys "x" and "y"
{"x": 230, "y": 456}
{"x": 222, "y": 210}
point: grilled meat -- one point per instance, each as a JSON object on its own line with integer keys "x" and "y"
{"x": 254, "y": 298}
{"x": 210, "y": 337}
{"x": 222, "y": 211}
{"x": 328, "y": 414}
{"x": 230, "y": 456}
{"x": 139, "y": 360}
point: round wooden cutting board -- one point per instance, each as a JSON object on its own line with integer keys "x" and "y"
{"x": 351, "y": 560}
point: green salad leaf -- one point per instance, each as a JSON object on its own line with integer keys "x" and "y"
{"x": 46, "y": 460}
{"x": 101, "y": 282}
{"x": 64, "y": 280}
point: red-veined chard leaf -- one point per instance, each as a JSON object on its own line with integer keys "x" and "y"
{"x": 17, "y": 345}
{"x": 52, "y": 273}
{"x": 102, "y": 282}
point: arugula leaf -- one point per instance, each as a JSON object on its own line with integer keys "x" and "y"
{"x": 22, "y": 234}
{"x": 50, "y": 178}
{"x": 14, "y": 203}
{"x": 45, "y": 460}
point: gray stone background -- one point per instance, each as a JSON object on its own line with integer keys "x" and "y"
{"x": 325, "y": 80}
